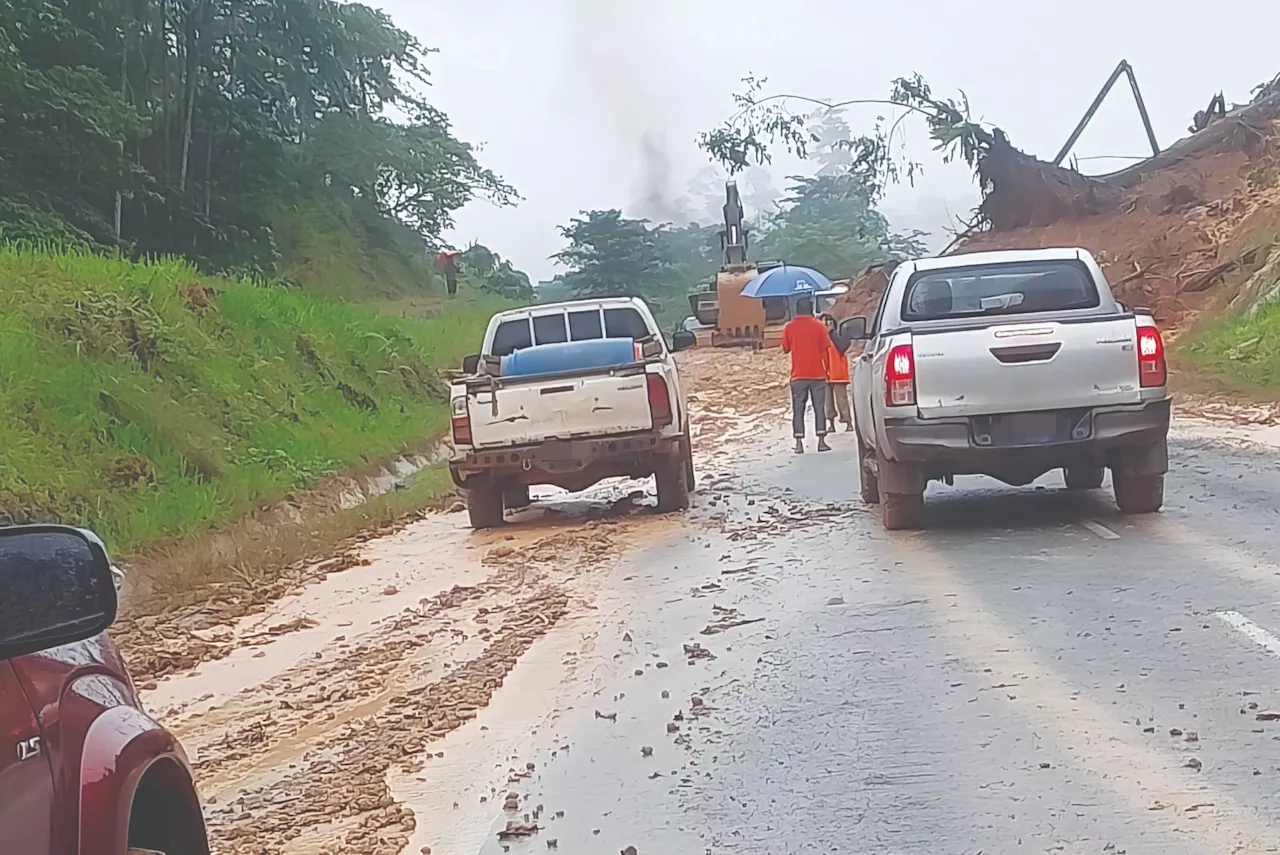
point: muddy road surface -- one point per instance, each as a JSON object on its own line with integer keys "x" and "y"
{"x": 770, "y": 672}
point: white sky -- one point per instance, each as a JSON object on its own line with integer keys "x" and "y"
{"x": 560, "y": 92}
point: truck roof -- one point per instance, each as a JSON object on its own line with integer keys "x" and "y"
{"x": 571, "y": 304}
{"x": 1002, "y": 256}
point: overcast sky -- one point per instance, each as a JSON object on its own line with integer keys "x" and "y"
{"x": 561, "y": 93}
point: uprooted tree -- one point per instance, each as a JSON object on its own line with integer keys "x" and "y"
{"x": 1018, "y": 190}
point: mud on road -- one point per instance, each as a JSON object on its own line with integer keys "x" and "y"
{"x": 770, "y": 672}
{"x": 301, "y": 703}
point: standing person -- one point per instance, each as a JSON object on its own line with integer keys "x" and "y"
{"x": 447, "y": 261}
{"x": 837, "y": 378}
{"x": 806, "y": 339}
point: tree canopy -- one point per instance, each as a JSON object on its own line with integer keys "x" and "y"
{"x": 156, "y": 126}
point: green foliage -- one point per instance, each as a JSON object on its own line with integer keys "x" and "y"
{"x": 490, "y": 272}
{"x": 609, "y": 255}
{"x": 762, "y": 122}
{"x": 1241, "y": 352}
{"x": 180, "y": 117}
{"x": 143, "y": 400}
{"x": 829, "y": 222}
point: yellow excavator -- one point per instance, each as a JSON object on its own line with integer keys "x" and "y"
{"x": 722, "y": 317}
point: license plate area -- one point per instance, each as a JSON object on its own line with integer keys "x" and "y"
{"x": 1010, "y": 430}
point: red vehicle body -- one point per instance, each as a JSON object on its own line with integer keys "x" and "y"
{"x": 83, "y": 769}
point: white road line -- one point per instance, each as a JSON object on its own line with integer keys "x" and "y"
{"x": 1251, "y": 631}
{"x": 1100, "y": 530}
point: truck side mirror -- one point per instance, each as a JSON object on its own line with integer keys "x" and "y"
{"x": 471, "y": 363}
{"x": 853, "y": 329}
{"x": 58, "y": 588}
{"x": 683, "y": 340}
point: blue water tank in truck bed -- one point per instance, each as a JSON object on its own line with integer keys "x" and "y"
{"x": 564, "y": 357}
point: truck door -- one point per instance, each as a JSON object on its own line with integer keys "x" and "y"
{"x": 26, "y": 778}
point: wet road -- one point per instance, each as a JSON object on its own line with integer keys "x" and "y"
{"x": 774, "y": 673}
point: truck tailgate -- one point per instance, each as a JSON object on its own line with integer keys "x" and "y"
{"x": 558, "y": 408}
{"x": 1007, "y": 368}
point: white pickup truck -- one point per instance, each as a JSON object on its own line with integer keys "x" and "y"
{"x": 1008, "y": 364}
{"x": 569, "y": 394}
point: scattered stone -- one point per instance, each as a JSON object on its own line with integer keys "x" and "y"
{"x": 646, "y": 751}
{"x": 836, "y": 601}
{"x": 390, "y": 591}
{"x": 626, "y": 637}
{"x": 672, "y": 727}
{"x": 1194, "y": 764}
{"x": 665, "y": 694}
{"x": 1192, "y": 736}
{"x": 609, "y": 716}
{"x": 1175, "y": 731}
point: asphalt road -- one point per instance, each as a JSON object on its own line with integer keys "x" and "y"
{"x": 770, "y": 672}
{"x": 1033, "y": 673}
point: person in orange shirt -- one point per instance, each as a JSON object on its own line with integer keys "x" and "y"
{"x": 807, "y": 340}
{"x": 837, "y": 378}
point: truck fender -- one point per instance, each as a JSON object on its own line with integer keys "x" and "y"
{"x": 121, "y": 746}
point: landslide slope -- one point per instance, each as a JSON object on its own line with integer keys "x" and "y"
{"x": 1182, "y": 234}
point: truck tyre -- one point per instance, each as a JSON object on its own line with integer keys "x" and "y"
{"x": 867, "y": 481}
{"x": 689, "y": 479}
{"x": 671, "y": 479}
{"x": 1138, "y": 494}
{"x": 902, "y": 511}
{"x": 484, "y": 505}
{"x": 516, "y": 498}
{"x": 1083, "y": 477}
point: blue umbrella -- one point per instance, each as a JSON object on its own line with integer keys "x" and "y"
{"x": 787, "y": 281}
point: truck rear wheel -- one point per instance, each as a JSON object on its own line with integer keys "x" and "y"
{"x": 1138, "y": 494}
{"x": 902, "y": 511}
{"x": 672, "y": 481}
{"x": 868, "y": 484}
{"x": 1083, "y": 477}
{"x": 484, "y": 506}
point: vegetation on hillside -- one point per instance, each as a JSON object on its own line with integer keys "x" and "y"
{"x": 145, "y": 400}
{"x": 201, "y": 128}
{"x": 1241, "y": 352}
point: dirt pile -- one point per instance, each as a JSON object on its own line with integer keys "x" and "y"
{"x": 1182, "y": 233}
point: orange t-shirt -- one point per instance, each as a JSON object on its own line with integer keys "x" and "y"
{"x": 808, "y": 342}
{"x": 838, "y": 365}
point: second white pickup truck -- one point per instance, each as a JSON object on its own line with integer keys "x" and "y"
{"x": 1009, "y": 364}
{"x": 569, "y": 394}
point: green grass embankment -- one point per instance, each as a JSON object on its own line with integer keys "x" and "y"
{"x": 1240, "y": 353}
{"x": 146, "y": 400}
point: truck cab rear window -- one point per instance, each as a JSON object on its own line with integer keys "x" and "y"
{"x": 510, "y": 336}
{"x": 999, "y": 289}
{"x": 624, "y": 323}
{"x": 549, "y": 329}
{"x": 585, "y": 325}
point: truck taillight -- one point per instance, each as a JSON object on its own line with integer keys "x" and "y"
{"x": 659, "y": 400}
{"x": 900, "y": 377}
{"x": 1152, "y": 370}
{"x": 461, "y": 422}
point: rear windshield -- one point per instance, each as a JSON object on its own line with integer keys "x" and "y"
{"x": 1010, "y": 288}
{"x": 582, "y": 325}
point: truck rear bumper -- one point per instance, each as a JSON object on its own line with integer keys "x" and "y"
{"x": 948, "y": 447}
{"x": 572, "y": 464}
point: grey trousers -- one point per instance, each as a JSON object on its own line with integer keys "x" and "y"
{"x": 815, "y": 392}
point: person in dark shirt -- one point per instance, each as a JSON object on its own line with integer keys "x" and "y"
{"x": 806, "y": 339}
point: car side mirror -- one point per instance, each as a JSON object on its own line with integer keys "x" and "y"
{"x": 58, "y": 588}
{"x": 683, "y": 340}
{"x": 471, "y": 363}
{"x": 853, "y": 329}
